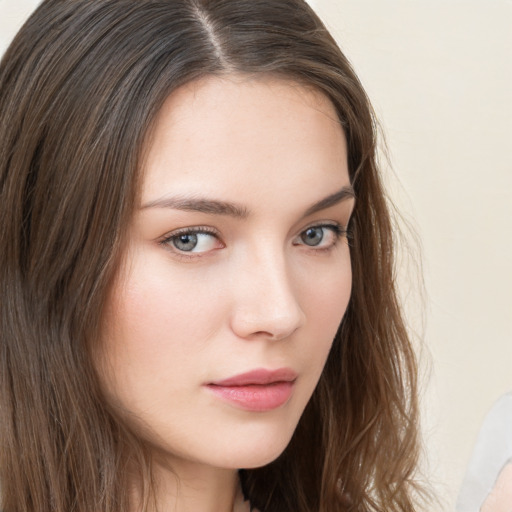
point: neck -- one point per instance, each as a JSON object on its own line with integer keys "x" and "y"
{"x": 189, "y": 487}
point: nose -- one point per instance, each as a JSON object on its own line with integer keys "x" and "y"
{"x": 265, "y": 299}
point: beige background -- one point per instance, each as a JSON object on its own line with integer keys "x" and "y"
{"x": 439, "y": 73}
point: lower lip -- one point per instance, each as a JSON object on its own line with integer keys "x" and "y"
{"x": 255, "y": 397}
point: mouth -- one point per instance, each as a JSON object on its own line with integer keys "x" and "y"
{"x": 258, "y": 390}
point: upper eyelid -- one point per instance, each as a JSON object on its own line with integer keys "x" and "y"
{"x": 214, "y": 232}
{"x": 334, "y": 226}
{"x": 194, "y": 229}
{"x": 324, "y": 224}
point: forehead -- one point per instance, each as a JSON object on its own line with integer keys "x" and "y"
{"x": 229, "y": 134}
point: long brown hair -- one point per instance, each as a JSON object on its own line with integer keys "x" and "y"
{"x": 79, "y": 88}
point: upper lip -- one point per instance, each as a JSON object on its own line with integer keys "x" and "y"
{"x": 259, "y": 376}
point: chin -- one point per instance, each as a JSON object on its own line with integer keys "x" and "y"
{"x": 254, "y": 451}
{"x": 259, "y": 460}
{"x": 254, "y": 441}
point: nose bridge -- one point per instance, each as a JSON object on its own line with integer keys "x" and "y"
{"x": 266, "y": 302}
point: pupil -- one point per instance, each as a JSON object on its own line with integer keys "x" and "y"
{"x": 185, "y": 242}
{"x": 313, "y": 236}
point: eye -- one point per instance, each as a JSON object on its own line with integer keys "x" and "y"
{"x": 195, "y": 240}
{"x": 322, "y": 237}
{"x": 313, "y": 236}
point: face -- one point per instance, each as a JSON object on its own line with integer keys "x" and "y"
{"x": 237, "y": 271}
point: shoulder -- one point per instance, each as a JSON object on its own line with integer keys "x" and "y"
{"x": 493, "y": 449}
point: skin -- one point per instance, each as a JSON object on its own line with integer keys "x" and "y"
{"x": 500, "y": 498}
{"x": 251, "y": 294}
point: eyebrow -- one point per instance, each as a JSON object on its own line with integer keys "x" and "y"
{"x": 199, "y": 204}
{"x": 216, "y": 207}
{"x": 332, "y": 200}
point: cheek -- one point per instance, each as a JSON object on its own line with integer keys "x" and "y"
{"x": 327, "y": 295}
{"x": 157, "y": 324}
{"x": 325, "y": 300}
{"x": 168, "y": 331}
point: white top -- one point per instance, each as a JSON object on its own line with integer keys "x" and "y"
{"x": 492, "y": 451}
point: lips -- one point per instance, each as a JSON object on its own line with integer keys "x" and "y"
{"x": 258, "y": 390}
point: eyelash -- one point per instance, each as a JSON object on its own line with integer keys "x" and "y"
{"x": 199, "y": 230}
{"x": 338, "y": 231}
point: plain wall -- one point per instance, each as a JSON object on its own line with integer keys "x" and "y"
{"x": 439, "y": 73}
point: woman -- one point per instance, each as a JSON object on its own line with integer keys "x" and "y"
{"x": 198, "y": 309}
